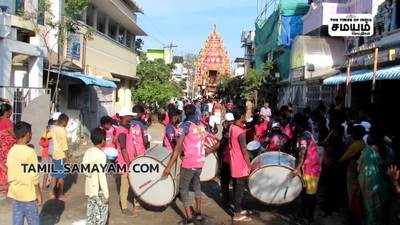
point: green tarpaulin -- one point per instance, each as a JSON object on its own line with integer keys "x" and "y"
{"x": 278, "y": 32}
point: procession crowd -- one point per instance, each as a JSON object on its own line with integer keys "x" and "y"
{"x": 344, "y": 158}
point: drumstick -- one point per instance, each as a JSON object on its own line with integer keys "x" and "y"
{"x": 145, "y": 183}
{"x": 287, "y": 179}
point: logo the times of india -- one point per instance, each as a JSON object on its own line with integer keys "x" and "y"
{"x": 109, "y": 168}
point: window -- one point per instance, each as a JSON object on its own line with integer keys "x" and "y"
{"x": 129, "y": 40}
{"x": 89, "y": 15}
{"x": 112, "y": 32}
{"x": 121, "y": 36}
{"x": 75, "y": 96}
{"x": 19, "y": 6}
{"x": 101, "y": 22}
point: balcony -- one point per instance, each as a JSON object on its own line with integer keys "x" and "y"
{"x": 121, "y": 13}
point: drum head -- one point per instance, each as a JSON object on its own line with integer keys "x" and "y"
{"x": 149, "y": 186}
{"x": 273, "y": 185}
{"x": 210, "y": 168}
{"x": 253, "y": 145}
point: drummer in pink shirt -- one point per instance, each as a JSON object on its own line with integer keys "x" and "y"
{"x": 139, "y": 131}
{"x": 191, "y": 142}
{"x": 239, "y": 162}
{"x": 171, "y": 130}
{"x": 126, "y": 153}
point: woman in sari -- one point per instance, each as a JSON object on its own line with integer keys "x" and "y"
{"x": 7, "y": 140}
{"x": 351, "y": 157}
{"x": 374, "y": 182}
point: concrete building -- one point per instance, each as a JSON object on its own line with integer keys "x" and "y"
{"x": 165, "y": 54}
{"x": 21, "y": 57}
{"x": 99, "y": 72}
{"x": 247, "y": 40}
{"x": 239, "y": 67}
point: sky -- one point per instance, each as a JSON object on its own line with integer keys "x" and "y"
{"x": 187, "y": 23}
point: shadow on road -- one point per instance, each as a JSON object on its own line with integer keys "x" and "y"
{"x": 51, "y": 212}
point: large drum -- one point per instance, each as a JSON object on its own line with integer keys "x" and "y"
{"x": 210, "y": 167}
{"x": 146, "y": 179}
{"x": 271, "y": 181}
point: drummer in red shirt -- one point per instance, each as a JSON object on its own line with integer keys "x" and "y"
{"x": 126, "y": 154}
{"x": 239, "y": 162}
{"x": 192, "y": 135}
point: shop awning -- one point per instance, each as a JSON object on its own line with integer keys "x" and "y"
{"x": 88, "y": 79}
{"x": 341, "y": 78}
{"x": 390, "y": 73}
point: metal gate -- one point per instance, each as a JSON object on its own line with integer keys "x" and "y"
{"x": 19, "y": 98}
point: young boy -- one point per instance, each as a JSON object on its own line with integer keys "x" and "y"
{"x": 171, "y": 130}
{"x": 59, "y": 136}
{"x": 239, "y": 162}
{"x": 191, "y": 142}
{"x": 96, "y": 188}
{"x": 24, "y": 187}
{"x": 46, "y": 149}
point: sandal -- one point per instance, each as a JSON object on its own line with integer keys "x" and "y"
{"x": 242, "y": 218}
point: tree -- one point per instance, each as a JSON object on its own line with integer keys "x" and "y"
{"x": 139, "y": 46}
{"x": 155, "y": 86}
{"x": 189, "y": 63}
{"x": 252, "y": 83}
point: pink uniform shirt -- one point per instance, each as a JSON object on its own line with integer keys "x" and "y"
{"x": 239, "y": 167}
{"x": 130, "y": 148}
{"x": 193, "y": 145}
{"x": 139, "y": 132}
{"x": 170, "y": 136}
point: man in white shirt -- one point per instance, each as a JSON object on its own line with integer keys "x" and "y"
{"x": 96, "y": 188}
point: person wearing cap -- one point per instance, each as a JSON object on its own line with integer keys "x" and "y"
{"x": 223, "y": 155}
{"x": 126, "y": 153}
{"x": 275, "y": 139}
{"x": 239, "y": 162}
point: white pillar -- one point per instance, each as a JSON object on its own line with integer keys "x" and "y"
{"x": 117, "y": 33}
{"x": 5, "y": 64}
{"x": 95, "y": 12}
{"x": 107, "y": 25}
{"x": 35, "y": 75}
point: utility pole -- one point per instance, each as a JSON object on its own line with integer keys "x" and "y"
{"x": 170, "y": 47}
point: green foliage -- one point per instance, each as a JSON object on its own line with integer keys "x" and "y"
{"x": 255, "y": 85}
{"x": 155, "y": 84}
{"x": 150, "y": 92}
{"x": 252, "y": 83}
{"x": 73, "y": 8}
{"x": 182, "y": 84}
{"x": 155, "y": 70}
{"x": 230, "y": 88}
{"x": 139, "y": 46}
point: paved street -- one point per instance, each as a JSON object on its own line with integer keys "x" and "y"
{"x": 73, "y": 211}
